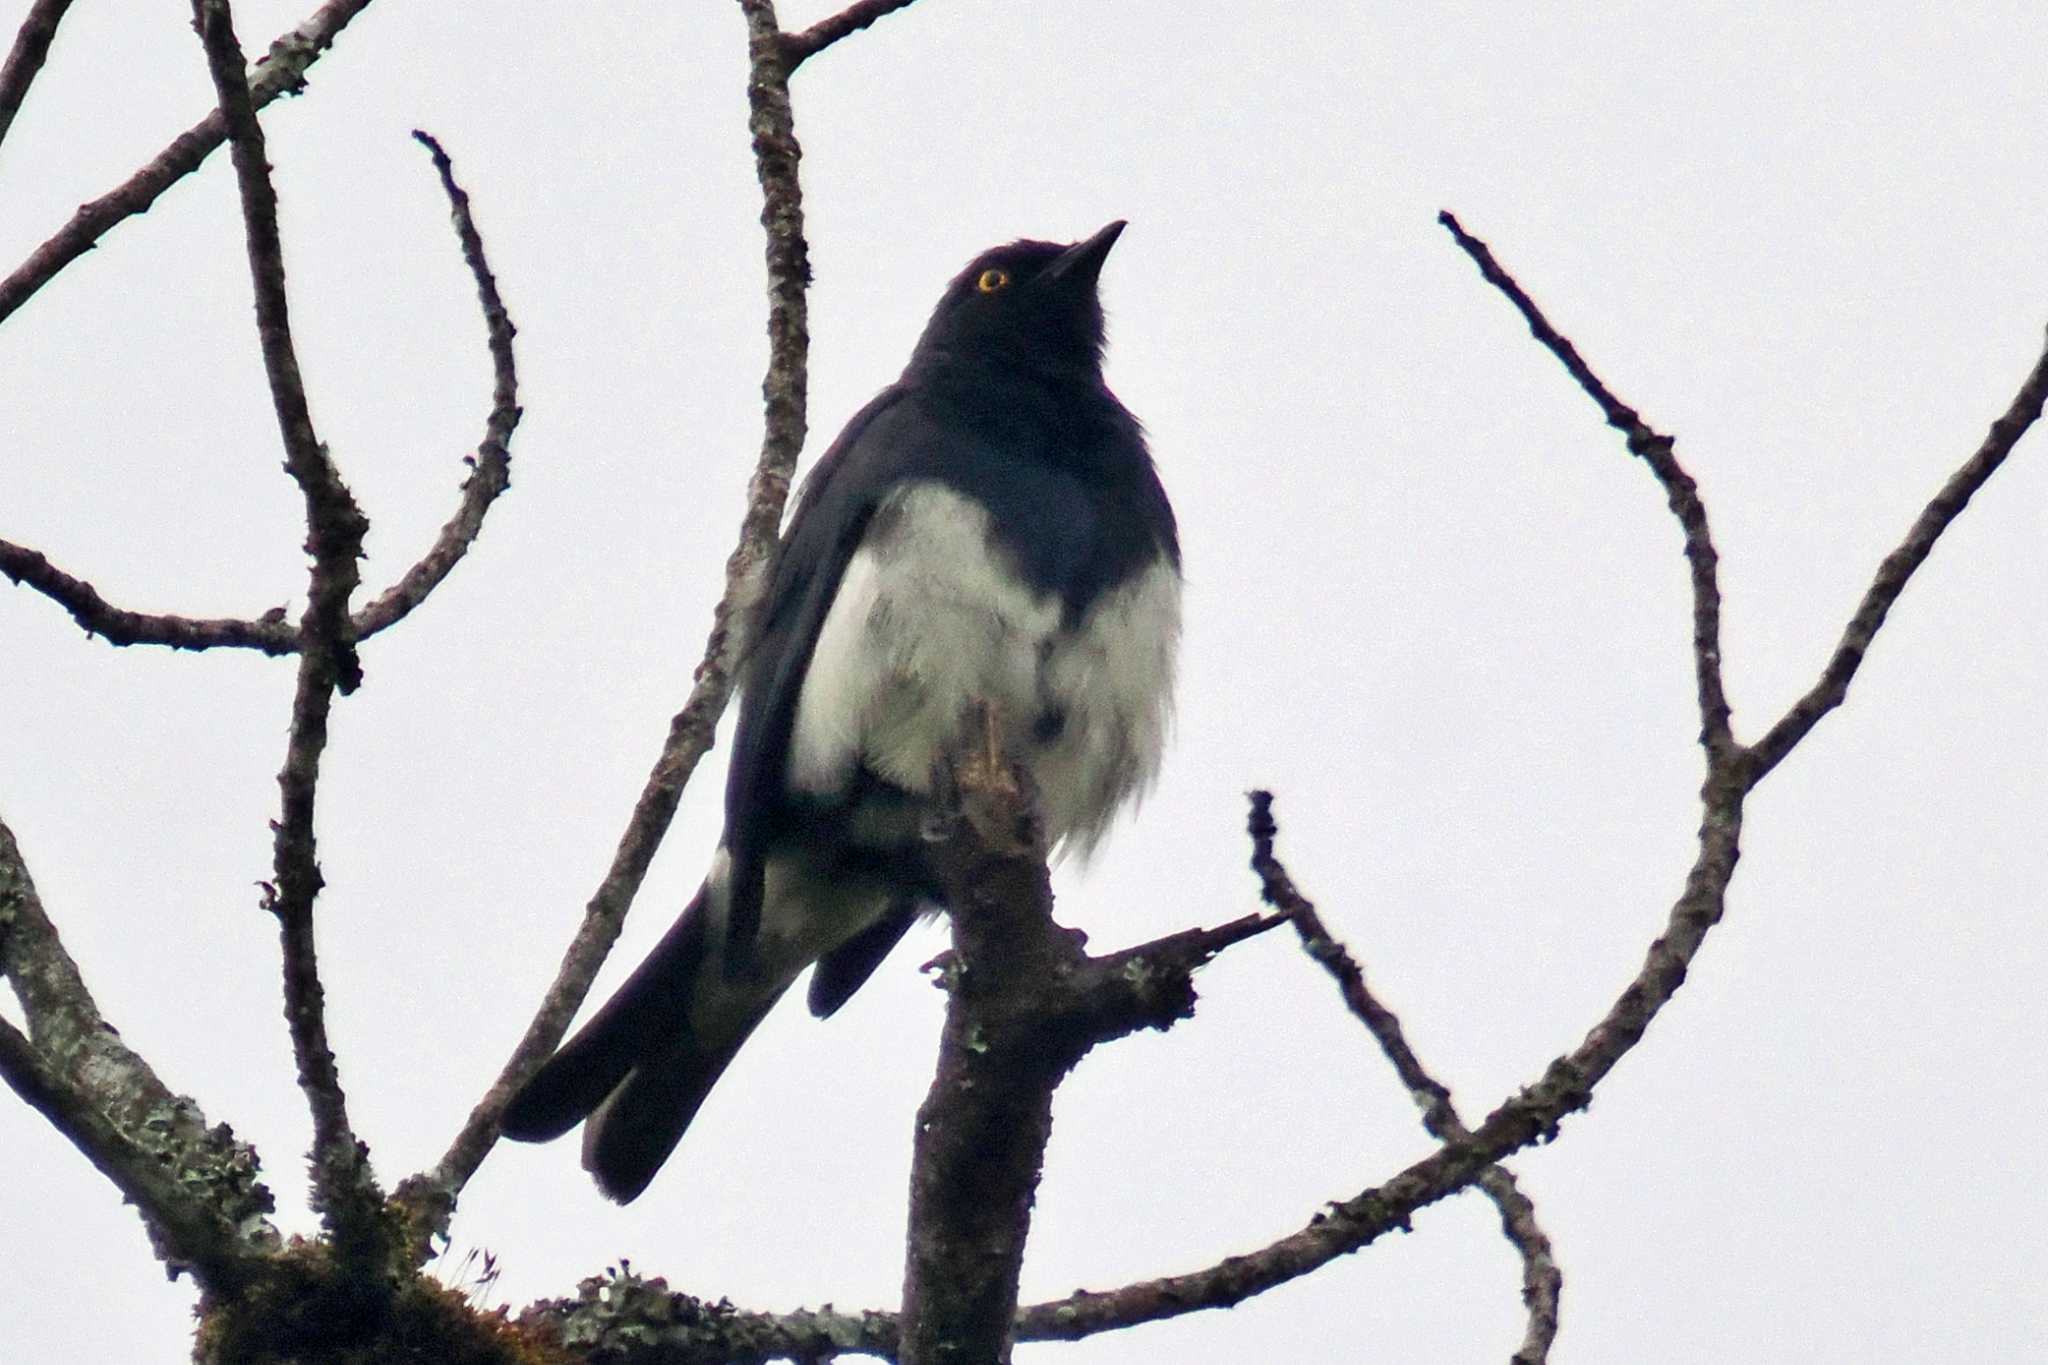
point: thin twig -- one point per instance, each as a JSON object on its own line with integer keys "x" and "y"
{"x": 95, "y": 615}
{"x": 797, "y": 48}
{"x": 1542, "y": 1281}
{"x": 197, "y": 1187}
{"x": 1898, "y": 568}
{"x": 491, "y": 467}
{"x": 344, "y": 1191}
{"x": 430, "y": 1195}
{"x": 1657, "y": 451}
{"x": 283, "y": 72}
{"x": 25, "y": 58}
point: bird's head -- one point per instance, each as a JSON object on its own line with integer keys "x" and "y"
{"x": 1029, "y": 305}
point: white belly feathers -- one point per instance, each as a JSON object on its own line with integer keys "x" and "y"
{"x": 928, "y": 618}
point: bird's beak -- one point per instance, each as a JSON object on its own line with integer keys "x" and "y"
{"x": 1082, "y": 262}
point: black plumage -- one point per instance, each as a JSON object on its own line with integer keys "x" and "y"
{"x": 988, "y": 528}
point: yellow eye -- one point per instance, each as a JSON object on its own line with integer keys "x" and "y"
{"x": 992, "y": 280}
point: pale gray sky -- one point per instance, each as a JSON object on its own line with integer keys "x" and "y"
{"x": 1431, "y": 602}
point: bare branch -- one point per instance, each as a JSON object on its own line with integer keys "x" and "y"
{"x": 25, "y": 58}
{"x": 1656, "y": 450}
{"x": 490, "y": 475}
{"x": 1898, "y": 569}
{"x": 1532, "y": 1115}
{"x": 96, "y": 616}
{"x": 430, "y": 1196}
{"x": 344, "y": 1191}
{"x": 797, "y": 48}
{"x": 1542, "y": 1281}
{"x": 1431, "y": 1096}
{"x": 491, "y": 472}
{"x": 197, "y": 1187}
{"x": 283, "y": 73}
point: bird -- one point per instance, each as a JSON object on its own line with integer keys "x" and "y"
{"x": 987, "y": 537}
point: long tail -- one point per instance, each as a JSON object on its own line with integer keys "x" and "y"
{"x": 642, "y": 1066}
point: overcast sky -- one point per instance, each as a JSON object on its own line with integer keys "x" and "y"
{"x": 1431, "y": 602}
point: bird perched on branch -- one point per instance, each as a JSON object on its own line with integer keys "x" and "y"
{"x": 987, "y": 533}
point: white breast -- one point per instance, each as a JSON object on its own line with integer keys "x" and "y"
{"x": 928, "y": 618}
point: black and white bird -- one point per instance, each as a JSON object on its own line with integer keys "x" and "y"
{"x": 989, "y": 529}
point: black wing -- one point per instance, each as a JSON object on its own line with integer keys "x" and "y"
{"x": 831, "y": 518}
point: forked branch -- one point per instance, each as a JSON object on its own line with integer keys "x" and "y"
{"x": 271, "y": 633}
{"x": 344, "y": 1192}
{"x": 1898, "y": 567}
{"x": 1542, "y": 1281}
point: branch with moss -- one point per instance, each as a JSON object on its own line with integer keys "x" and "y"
{"x": 196, "y": 1187}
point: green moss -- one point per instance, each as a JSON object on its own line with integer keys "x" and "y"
{"x": 305, "y": 1311}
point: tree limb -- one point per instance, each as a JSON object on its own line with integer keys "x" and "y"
{"x": 490, "y": 475}
{"x": 25, "y": 58}
{"x": 1898, "y": 568}
{"x": 623, "y": 1317}
{"x": 1024, "y": 1005}
{"x": 491, "y": 467}
{"x": 196, "y": 1187}
{"x": 344, "y": 1191}
{"x": 187, "y": 1234}
{"x": 283, "y": 73}
{"x": 798, "y": 48}
{"x": 96, "y": 616}
{"x": 1657, "y": 451}
{"x": 1542, "y": 1281}
{"x": 982, "y": 1129}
